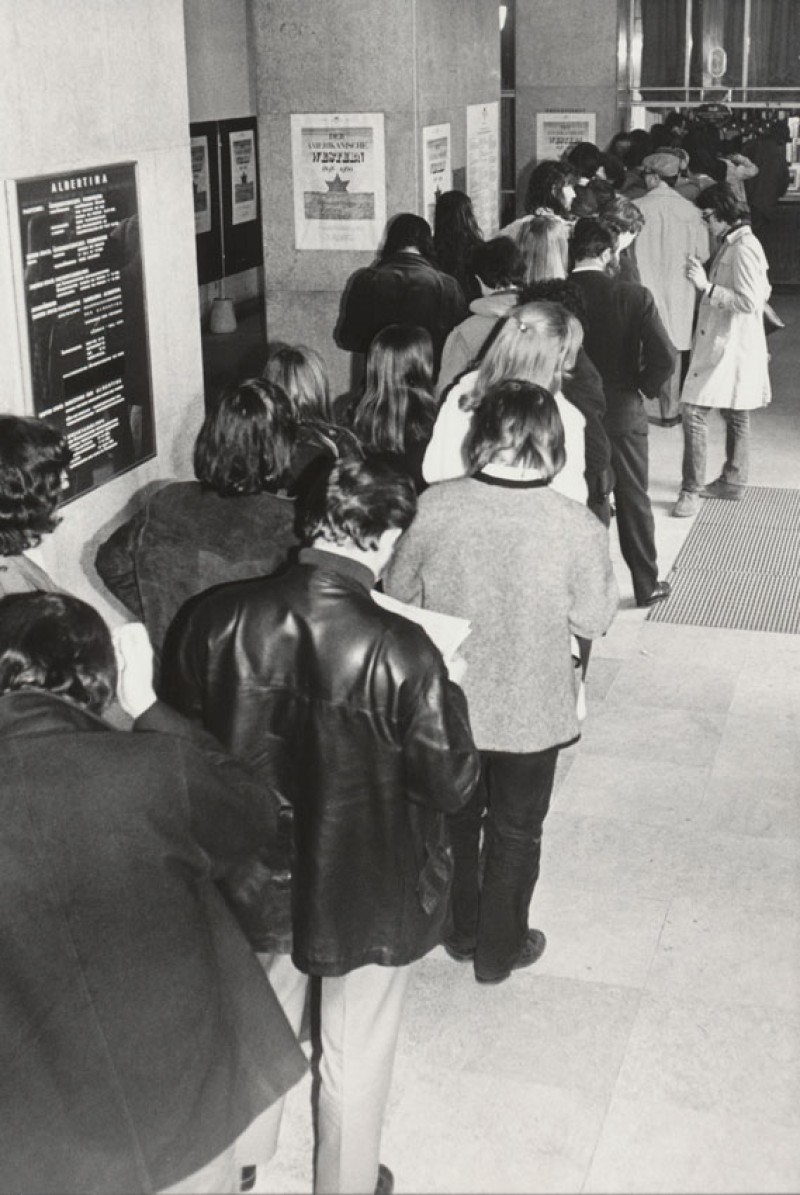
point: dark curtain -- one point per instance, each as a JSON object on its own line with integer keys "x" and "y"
{"x": 717, "y": 23}
{"x": 663, "y": 42}
{"x": 775, "y": 44}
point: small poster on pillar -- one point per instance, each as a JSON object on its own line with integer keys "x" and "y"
{"x": 339, "y": 180}
{"x": 82, "y": 318}
{"x": 437, "y": 166}
{"x": 557, "y": 131}
{"x": 483, "y": 164}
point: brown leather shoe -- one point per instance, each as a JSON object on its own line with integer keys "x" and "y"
{"x": 662, "y": 590}
{"x": 385, "y": 1183}
{"x": 532, "y": 951}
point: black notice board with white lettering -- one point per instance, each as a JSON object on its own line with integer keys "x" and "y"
{"x": 85, "y": 321}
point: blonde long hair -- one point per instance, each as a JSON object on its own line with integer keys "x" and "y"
{"x": 544, "y": 245}
{"x": 537, "y": 343}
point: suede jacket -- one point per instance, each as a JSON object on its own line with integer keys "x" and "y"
{"x": 348, "y": 709}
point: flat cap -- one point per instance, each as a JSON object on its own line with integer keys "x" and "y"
{"x": 666, "y": 165}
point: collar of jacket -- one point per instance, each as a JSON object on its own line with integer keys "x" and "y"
{"x": 734, "y": 233}
{"x": 332, "y": 562}
{"x": 33, "y": 711}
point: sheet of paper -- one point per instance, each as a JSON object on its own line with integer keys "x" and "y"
{"x": 446, "y": 630}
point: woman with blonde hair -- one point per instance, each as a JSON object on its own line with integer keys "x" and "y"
{"x": 537, "y": 343}
{"x": 544, "y": 244}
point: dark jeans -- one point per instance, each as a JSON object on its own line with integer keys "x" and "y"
{"x": 635, "y": 524}
{"x": 511, "y": 802}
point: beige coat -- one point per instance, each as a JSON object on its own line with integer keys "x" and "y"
{"x": 729, "y": 358}
{"x": 673, "y": 229}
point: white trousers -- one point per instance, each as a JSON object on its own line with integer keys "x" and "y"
{"x": 359, "y": 1022}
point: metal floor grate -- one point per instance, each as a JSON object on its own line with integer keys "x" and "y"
{"x": 739, "y": 568}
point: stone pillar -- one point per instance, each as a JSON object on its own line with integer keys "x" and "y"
{"x": 566, "y": 58}
{"x": 420, "y": 62}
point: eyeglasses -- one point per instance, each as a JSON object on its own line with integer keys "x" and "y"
{"x": 707, "y": 216}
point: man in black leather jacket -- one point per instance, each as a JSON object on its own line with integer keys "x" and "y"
{"x": 349, "y": 710}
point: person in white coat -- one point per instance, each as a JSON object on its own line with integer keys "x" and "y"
{"x": 728, "y": 369}
{"x": 537, "y": 343}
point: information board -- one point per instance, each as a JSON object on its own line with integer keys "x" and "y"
{"x": 81, "y": 289}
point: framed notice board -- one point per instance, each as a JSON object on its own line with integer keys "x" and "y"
{"x": 207, "y": 213}
{"x": 82, "y": 316}
{"x": 241, "y": 195}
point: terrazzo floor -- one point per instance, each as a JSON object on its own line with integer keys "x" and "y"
{"x": 656, "y": 1045}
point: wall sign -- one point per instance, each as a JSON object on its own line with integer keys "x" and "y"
{"x": 82, "y": 318}
{"x": 437, "y": 166}
{"x": 557, "y": 131}
{"x": 483, "y": 164}
{"x": 339, "y": 180}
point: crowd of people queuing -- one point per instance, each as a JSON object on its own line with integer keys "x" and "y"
{"x": 317, "y": 789}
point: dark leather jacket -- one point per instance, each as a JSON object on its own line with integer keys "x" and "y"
{"x": 348, "y": 710}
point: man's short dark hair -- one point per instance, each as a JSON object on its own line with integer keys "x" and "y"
{"x": 590, "y": 239}
{"x": 357, "y": 500}
{"x": 408, "y": 231}
{"x": 520, "y": 421}
{"x": 721, "y": 200}
{"x": 56, "y": 643}
{"x": 245, "y": 443}
{"x": 499, "y": 263}
{"x": 33, "y": 457}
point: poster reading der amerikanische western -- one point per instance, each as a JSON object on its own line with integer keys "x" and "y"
{"x": 339, "y": 180}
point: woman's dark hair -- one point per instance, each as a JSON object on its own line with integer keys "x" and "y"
{"x": 357, "y": 500}
{"x": 614, "y": 170}
{"x": 397, "y": 405}
{"x": 721, "y": 200}
{"x": 640, "y": 147}
{"x": 245, "y": 443}
{"x": 408, "y": 231}
{"x": 620, "y": 146}
{"x": 456, "y": 233}
{"x": 546, "y": 187}
{"x": 516, "y": 423}
{"x": 499, "y": 263}
{"x": 33, "y": 457}
{"x": 585, "y": 158}
{"x": 56, "y": 643}
{"x": 300, "y": 373}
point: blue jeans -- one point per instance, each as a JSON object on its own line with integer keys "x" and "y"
{"x": 511, "y": 803}
{"x": 695, "y": 437}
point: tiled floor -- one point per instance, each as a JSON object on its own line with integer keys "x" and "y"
{"x": 656, "y": 1046}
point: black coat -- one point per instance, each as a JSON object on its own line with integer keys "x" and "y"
{"x": 628, "y": 344}
{"x": 138, "y": 1035}
{"x": 403, "y": 289}
{"x": 351, "y": 708}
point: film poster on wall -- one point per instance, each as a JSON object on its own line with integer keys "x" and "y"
{"x": 339, "y": 180}
{"x": 557, "y": 131}
{"x": 437, "y": 166}
{"x": 244, "y": 177}
{"x": 201, "y": 185}
{"x": 483, "y": 164}
{"x": 82, "y": 316}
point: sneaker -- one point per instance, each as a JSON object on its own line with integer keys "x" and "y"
{"x": 662, "y": 590}
{"x": 724, "y": 490}
{"x": 686, "y": 506}
{"x": 532, "y": 951}
{"x": 385, "y": 1183}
